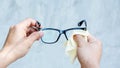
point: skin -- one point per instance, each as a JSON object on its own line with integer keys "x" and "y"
{"x": 19, "y": 40}
{"x": 21, "y": 37}
{"x": 89, "y": 52}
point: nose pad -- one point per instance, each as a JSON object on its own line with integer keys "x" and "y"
{"x": 66, "y": 36}
{"x": 63, "y": 32}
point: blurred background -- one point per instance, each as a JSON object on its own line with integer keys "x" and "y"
{"x": 102, "y": 16}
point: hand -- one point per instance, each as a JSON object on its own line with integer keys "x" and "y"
{"x": 19, "y": 40}
{"x": 89, "y": 52}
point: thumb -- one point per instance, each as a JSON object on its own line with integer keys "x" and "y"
{"x": 80, "y": 40}
{"x": 34, "y": 36}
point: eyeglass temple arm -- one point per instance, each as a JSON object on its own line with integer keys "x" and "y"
{"x": 81, "y": 22}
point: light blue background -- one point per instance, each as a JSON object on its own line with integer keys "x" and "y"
{"x": 103, "y": 17}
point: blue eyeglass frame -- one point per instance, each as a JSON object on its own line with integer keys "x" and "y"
{"x": 64, "y": 31}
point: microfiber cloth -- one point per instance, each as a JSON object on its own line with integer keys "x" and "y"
{"x": 71, "y": 46}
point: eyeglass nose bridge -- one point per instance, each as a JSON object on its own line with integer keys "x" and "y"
{"x": 63, "y": 32}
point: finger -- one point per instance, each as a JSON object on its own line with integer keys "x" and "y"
{"x": 27, "y": 23}
{"x": 91, "y": 38}
{"x": 80, "y": 40}
{"x": 30, "y": 31}
{"x": 33, "y": 37}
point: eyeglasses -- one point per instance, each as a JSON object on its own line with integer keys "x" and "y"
{"x": 52, "y": 35}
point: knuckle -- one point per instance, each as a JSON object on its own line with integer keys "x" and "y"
{"x": 99, "y": 42}
{"x": 11, "y": 27}
{"x": 29, "y": 19}
{"x": 15, "y": 27}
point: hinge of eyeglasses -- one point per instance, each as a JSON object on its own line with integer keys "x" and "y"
{"x": 81, "y": 22}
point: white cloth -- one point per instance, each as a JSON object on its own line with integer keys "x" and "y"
{"x": 71, "y": 46}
